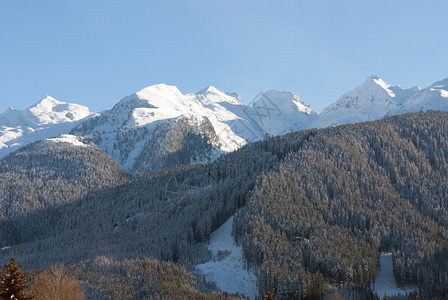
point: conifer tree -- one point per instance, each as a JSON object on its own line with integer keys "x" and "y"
{"x": 13, "y": 282}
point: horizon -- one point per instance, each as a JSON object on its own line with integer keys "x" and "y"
{"x": 94, "y": 53}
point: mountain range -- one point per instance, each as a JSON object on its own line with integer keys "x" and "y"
{"x": 159, "y": 127}
{"x": 311, "y": 213}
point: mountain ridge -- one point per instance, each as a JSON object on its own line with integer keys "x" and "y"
{"x": 161, "y": 118}
{"x": 48, "y": 117}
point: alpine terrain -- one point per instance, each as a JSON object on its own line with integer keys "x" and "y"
{"x": 200, "y": 196}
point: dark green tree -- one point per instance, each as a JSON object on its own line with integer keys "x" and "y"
{"x": 13, "y": 282}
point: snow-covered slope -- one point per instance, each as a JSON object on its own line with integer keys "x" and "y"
{"x": 434, "y": 97}
{"x": 72, "y": 140}
{"x": 227, "y": 267}
{"x": 278, "y": 112}
{"x": 385, "y": 283}
{"x": 49, "y": 117}
{"x": 373, "y": 100}
{"x": 160, "y": 127}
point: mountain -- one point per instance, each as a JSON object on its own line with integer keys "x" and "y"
{"x": 376, "y": 98}
{"x": 434, "y": 97}
{"x": 49, "y": 117}
{"x": 279, "y": 112}
{"x": 373, "y": 100}
{"x": 311, "y": 208}
{"x": 160, "y": 127}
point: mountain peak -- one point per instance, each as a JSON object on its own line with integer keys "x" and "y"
{"x": 284, "y": 100}
{"x": 46, "y": 103}
{"x": 373, "y": 82}
{"x": 212, "y": 94}
{"x": 210, "y": 90}
{"x": 160, "y": 89}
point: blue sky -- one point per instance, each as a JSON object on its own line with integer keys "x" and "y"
{"x": 96, "y": 52}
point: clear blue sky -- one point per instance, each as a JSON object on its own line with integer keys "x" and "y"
{"x": 96, "y": 52}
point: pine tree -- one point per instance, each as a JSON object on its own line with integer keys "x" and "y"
{"x": 13, "y": 282}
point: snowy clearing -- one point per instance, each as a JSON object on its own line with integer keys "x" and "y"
{"x": 385, "y": 281}
{"x": 226, "y": 268}
{"x": 67, "y": 138}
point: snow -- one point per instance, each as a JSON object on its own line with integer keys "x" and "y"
{"x": 235, "y": 124}
{"x": 384, "y": 85}
{"x": 162, "y": 103}
{"x": 227, "y": 268}
{"x": 68, "y": 138}
{"x": 279, "y": 112}
{"x": 444, "y": 93}
{"x": 47, "y": 118}
{"x": 385, "y": 281}
{"x": 376, "y": 98}
{"x": 434, "y": 97}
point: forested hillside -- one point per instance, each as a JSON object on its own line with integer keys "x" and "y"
{"x": 329, "y": 209}
{"x": 314, "y": 207}
{"x": 44, "y": 175}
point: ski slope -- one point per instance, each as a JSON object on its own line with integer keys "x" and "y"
{"x": 385, "y": 281}
{"x": 227, "y": 268}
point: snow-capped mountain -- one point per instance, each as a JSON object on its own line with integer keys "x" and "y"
{"x": 279, "y": 112}
{"x": 434, "y": 97}
{"x": 373, "y": 100}
{"x": 49, "y": 117}
{"x": 376, "y": 98}
{"x": 160, "y": 127}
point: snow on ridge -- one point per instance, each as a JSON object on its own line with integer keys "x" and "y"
{"x": 285, "y": 101}
{"x": 159, "y": 91}
{"x": 68, "y": 138}
{"x": 385, "y": 86}
{"x": 444, "y": 93}
{"x": 227, "y": 267}
{"x": 52, "y": 111}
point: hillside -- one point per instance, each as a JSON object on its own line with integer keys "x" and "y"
{"x": 327, "y": 211}
{"x": 315, "y": 208}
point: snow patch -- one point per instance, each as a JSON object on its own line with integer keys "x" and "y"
{"x": 385, "y": 86}
{"x": 385, "y": 281}
{"x": 227, "y": 268}
{"x": 67, "y": 138}
{"x": 443, "y": 93}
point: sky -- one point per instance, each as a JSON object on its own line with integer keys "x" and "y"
{"x": 96, "y": 52}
